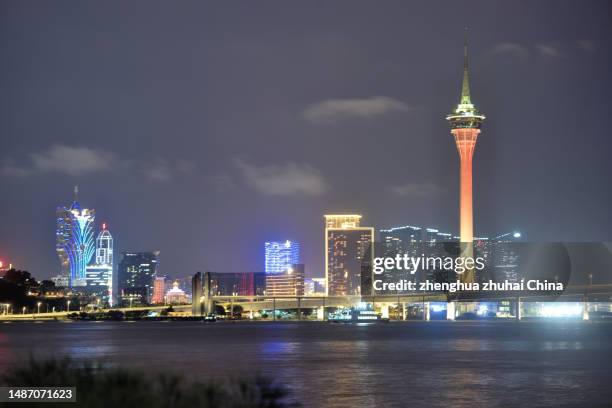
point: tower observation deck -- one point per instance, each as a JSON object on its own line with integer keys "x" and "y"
{"x": 465, "y": 122}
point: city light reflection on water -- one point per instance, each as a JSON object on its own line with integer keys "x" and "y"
{"x": 425, "y": 364}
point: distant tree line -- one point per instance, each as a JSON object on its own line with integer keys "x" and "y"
{"x": 20, "y": 289}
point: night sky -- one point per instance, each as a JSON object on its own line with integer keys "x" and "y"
{"x": 203, "y": 129}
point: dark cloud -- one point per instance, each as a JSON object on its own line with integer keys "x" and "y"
{"x": 417, "y": 190}
{"x": 68, "y": 160}
{"x": 549, "y": 50}
{"x": 81, "y": 161}
{"x": 510, "y": 48}
{"x": 158, "y": 171}
{"x": 333, "y": 110}
{"x": 283, "y": 180}
{"x": 221, "y": 182}
{"x": 587, "y": 45}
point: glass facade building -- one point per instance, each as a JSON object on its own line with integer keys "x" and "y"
{"x": 281, "y": 255}
{"x": 135, "y": 276}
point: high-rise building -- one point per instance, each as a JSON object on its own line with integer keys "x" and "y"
{"x": 75, "y": 240}
{"x": 200, "y": 305}
{"x": 414, "y": 242}
{"x": 465, "y": 122}
{"x": 348, "y": 254}
{"x": 135, "y": 276}
{"x": 499, "y": 254}
{"x": 281, "y": 255}
{"x": 99, "y": 275}
{"x": 159, "y": 290}
{"x": 403, "y": 238}
{"x": 288, "y": 283}
{"x": 505, "y": 254}
{"x": 104, "y": 247}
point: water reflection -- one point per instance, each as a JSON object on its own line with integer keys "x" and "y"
{"x": 393, "y": 365}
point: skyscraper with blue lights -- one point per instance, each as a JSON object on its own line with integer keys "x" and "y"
{"x": 99, "y": 275}
{"x": 281, "y": 255}
{"x": 75, "y": 244}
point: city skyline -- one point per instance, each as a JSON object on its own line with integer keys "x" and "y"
{"x": 280, "y": 256}
{"x": 320, "y": 204}
{"x": 255, "y": 140}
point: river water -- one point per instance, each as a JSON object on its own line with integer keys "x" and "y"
{"x": 416, "y": 364}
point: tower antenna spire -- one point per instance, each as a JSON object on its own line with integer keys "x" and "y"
{"x": 465, "y": 88}
{"x": 76, "y": 193}
{"x": 465, "y": 121}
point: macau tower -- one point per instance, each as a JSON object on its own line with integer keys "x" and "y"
{"x": 465, "y": 122}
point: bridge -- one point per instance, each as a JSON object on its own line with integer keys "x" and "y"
{"x": 574, "y": 293}
{"x": 571, "y": 293}
{"x": 248, "y": 304}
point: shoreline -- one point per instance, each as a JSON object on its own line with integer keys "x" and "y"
{"x": 293, "y": 321}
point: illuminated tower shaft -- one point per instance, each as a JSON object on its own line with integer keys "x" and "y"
{"x": 465, "y": 124}
{"x": 466, "y": 142}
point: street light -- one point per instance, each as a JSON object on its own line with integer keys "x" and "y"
{"x": 68, "y": 302}
{"x": 23, "y": 310}
{"x": 38, "y": 307}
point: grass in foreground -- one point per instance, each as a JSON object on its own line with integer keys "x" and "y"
{"x": 119, "y": 387}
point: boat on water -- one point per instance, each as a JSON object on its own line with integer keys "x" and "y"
{"x": 354, "y": 315}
